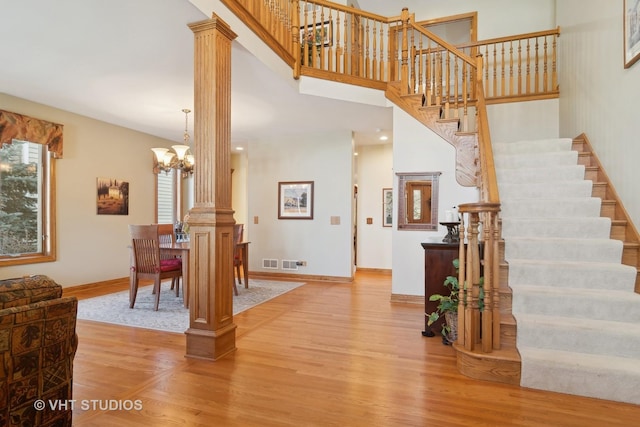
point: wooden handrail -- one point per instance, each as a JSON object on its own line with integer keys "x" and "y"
{"x": 555, "y": 32}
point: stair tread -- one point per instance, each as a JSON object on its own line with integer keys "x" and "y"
{"x": 623, "y": 328}
{"x": 506, "y": 353}
{"x": 598, "y": 361}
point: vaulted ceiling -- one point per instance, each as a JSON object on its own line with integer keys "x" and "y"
{"x": 130, "y": 63}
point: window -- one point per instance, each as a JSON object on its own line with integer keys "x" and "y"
{"x": 418, "y": 201}
{"x": 166, "y": 200}
{"x": 26, "y": 204}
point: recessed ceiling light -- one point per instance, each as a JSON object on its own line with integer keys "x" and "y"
{"x": 384, "y": 138}
{"x": 239, "y": 148}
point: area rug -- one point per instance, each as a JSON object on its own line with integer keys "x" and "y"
{"x": 171, "y": 315}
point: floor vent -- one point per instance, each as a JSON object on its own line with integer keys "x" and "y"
{"x": 288, "y": 264}
{"x": 270, "y": 263}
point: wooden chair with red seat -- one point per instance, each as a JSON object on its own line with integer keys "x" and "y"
{"x": 238, "y": 231}
{"x": 166, "y": 235}
{"x": 148, "y": 264}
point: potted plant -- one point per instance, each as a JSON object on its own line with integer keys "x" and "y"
{"x": 448, "y": 306}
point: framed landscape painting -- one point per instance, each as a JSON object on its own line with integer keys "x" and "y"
{"x": 631, "y": 32}
{"x": 295, "y": 200}
{"x": 112, "y": 197}
{"x": 387, "y": 207}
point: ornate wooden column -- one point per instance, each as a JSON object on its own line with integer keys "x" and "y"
{"x": 212, "y": 333}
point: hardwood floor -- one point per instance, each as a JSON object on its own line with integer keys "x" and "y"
{"x": 324, "y": 354}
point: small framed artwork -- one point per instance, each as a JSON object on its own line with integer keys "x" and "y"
{"x": 631, "y": 32}
{"x": 387, "y": 207}
{"x": 320, "y": 34}
{"x": 295, "y": 200}
{"x": 112, "y": 196}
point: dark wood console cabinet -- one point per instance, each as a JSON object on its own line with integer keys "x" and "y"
{"x": 438, "y": 264}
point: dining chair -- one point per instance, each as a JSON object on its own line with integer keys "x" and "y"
{"x": 238, "y": 231}
{"x": 148, "y": 264}
{"x": 166, "y": 235}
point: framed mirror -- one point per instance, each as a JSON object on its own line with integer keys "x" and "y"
{"x": 418, "y": 200}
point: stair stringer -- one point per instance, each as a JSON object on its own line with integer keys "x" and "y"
{"x": 465, "y": 143}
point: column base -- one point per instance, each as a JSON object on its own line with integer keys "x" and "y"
{"x": 211, "y": 345}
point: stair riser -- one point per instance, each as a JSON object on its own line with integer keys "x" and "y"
{"x": 579, "y": 340}
{"x": 536, "y": 146}
{"x": 590, "y": 306}
{"x": 564, "y": 250}
{"x": 531, "y": 175}
{"x": 564, "y": 276}
{"x": 551, "y": 208}
{"x": 548, "y": 190}
{"x": 630, "y": 255}
{"x": 595, "y": 227}
{"x": 577, "y": 379}
{"x": 507, "y": 161}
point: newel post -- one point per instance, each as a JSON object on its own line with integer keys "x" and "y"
{"x": 212, "y": 333}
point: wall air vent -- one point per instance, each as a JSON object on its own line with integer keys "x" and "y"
{"x": 288, "y": 264}
{"x": 270, "y": 264}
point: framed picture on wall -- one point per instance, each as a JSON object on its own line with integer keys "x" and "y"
{"x": 319, "y": 34}
{"x": 631, "y": 32}
{"x": 295, "y": 200}
{"x": 387, "y": 207}
{"x": 112, "y": 196}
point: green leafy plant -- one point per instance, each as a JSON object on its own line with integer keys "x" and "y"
{"x": 446, "y": 303}
{"x": 449, "y": 303}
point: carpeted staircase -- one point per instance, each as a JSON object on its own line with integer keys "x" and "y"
{"x": 578, "y": 318}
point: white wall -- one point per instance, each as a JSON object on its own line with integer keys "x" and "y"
{"x": 598, "y": 96}
{"x": 418, "y": 149}
{"x": 524, "y": 120}
{"x": 325, "y": 159}
{"x": 374, "y": 172}
{"x": 496, "y": 18}
{"x": 91, "y": 247}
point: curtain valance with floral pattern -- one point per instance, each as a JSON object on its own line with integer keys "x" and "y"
{"x": 25, "y": 128}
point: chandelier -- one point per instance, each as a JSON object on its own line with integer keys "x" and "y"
{"x": 180, "y": 158}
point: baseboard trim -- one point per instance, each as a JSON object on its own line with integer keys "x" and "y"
{"x": 407, "y": 299}
{"x": 298, "y": 277}
{"x": 385, "y": 271}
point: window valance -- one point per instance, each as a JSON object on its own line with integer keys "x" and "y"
{"x": 25, "y": 128}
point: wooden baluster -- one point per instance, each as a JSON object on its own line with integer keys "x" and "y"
{"x": 545, "y": 75}
{"x": 367, "y": 59}
{"x": 374, "y": 51}
{"x": 456, "y": 89}
{"x": 486, "y": 71}
{"x": 519, "y": 67}
{"x": 339, "y": 63}
{"x": 554, "y": 74}
{"x": 528, "y": 69}
{"x": 462, "y": 300}
{"x": 381, "y": 75}
{"x": 295, "y": 34}
{"x": 447, "y": 85}
{"x": 428, "y": 74}
{"x": 511, "y": 68}
{"x": 537, "y": 67}
{"x": 421, "y": 84}
{"x": 314, "y": 49}
{"x": 438, "y": 77}
{"x": 330, "y": 47}
{"x": 471, "y": 326}
{"x": 487, "y": 307}
{"x": 404, "y": 71}
{"x": 321, "y": 49}
{"x": 495, "y": 280}
{"x": 502, "y": 72}
{"x": 495, "y": 72}
{"x": 347, "y": 48}
{"x": 465, "y": 97}
{"x": 414, "y": 54}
